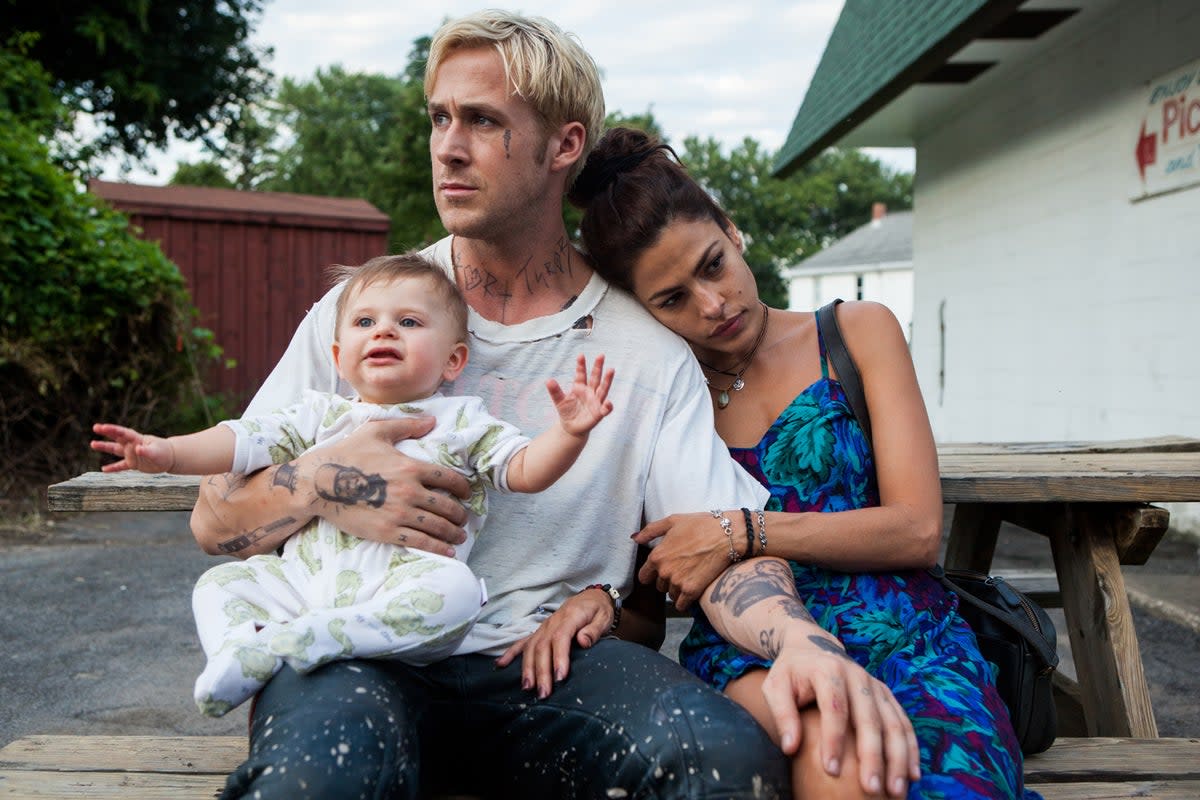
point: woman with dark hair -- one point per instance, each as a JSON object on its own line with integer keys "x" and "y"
{"x": 852, "y": 524}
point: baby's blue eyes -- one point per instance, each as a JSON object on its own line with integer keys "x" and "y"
{"x": 406, "y": 322}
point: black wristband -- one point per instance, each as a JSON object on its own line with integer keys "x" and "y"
{"x": 749, "y": 533}
{"x": 614, "y": 596}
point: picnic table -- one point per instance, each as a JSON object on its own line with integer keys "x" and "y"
{"x": 1091, "y": 500}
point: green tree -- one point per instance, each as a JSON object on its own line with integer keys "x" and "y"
{"x": 362, "y": 135}
{"x": 243, "y": 155}
{"x": 200, "y": 173}
{"x": 845, "y": 184}
{"x": 785, "y": 221}
{"x": 94, "y": 322}
{"x": 144, "y": 69}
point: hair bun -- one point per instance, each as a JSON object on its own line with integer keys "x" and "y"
{"x": 619, "y": 150}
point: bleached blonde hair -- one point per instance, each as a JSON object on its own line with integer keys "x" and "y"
{"x": 543, "y": 64}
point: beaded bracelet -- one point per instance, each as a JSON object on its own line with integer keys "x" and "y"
{"x": 727, "y": 527}
{"x": 749, "y": 533}
{"x": 614, "y": 596}
{"x": 762, "y": 532}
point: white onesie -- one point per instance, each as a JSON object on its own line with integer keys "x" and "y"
{"x": 331, "y": 595}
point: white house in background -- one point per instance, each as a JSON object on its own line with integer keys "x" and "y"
{"x": 873, "y": 262}
{"x": 1056, "y": 229}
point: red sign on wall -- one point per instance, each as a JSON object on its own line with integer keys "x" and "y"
{"x": 1166, "y": 149}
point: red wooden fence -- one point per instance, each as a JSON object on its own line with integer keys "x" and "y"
{"x": 254, "y": 261}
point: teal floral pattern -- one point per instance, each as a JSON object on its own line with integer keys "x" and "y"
{"x": 903, "y": 628}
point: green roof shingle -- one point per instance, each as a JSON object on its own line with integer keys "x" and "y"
{"x": 879, "y": 48}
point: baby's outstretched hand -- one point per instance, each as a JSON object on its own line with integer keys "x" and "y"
{"x": 585, "y": 402}
{"x": 136, "y": 450}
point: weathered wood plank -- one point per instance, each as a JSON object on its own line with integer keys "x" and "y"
{"x": 195, "y": 767}
{"x": 72, "y": 786}
{"x": 991, "y": 477}
{"x": 1106, "y": 759}
{"x": 106, "y": 785}
{"x": 1150, "y": 444}
{"x": 1071, "y": 477}
{"x": 1135, "y": 528}
{"x": 199, "y": 754}
{"x": 1104, "y": 644}
{"x": 972, "y": 540}
{"x": 124, "y": 491}
{"x": 1142, "y": 790}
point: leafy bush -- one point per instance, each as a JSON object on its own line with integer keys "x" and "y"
{"x": 95, "y": 324}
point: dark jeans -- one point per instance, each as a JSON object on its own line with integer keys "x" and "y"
{"x": 626, "y": 722}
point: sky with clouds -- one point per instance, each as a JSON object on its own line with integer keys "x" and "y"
{"x": 708, "y": 68}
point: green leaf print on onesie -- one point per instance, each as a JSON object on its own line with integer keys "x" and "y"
{"x": 225, "y": 574}
{"x": 290, "y": 644}
{"x": 485, "y": 443}
{"x": 290, "y": 445}
{"x": 404, "y": 566}
{"x": 239, "y": 611}
{"x": 406, "y": 612}
{"x": 337, "y": 629}
{"x": 347, "y": 584}
{"x": 338, "y": 408}
{"x": 307, "y": 551}
{"x": 274, "y": 565}
{"x": 344, "y": 541}
{"x": 255, "y": 663}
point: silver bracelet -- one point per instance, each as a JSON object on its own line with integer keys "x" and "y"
{"x": 762, "y": 532}
{"x": 727, "y": 526}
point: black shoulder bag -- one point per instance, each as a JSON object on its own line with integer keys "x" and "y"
{"x": 1014, "y": 633}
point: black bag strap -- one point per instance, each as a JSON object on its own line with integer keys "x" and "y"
{"x": 1045, "y": 650}
{"x": 851, "y": 381}
{"x": 843, "y": 364}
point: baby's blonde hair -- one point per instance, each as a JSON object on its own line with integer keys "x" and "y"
{"x": 384, "y": 269}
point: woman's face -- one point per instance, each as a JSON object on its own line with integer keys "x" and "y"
{"x": 695, "y": 281}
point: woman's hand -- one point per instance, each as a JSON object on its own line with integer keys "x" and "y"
{"x": 847, "y": 697}
{"x": 582, "y": 619}
{"x": 690, "y": 553}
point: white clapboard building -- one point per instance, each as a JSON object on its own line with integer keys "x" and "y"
{"x": 1056, "y": 226}
{"x": 873, "y": 262}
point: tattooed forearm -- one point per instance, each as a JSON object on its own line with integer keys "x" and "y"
{"x": 349, "y": 486}
{"x": 241, "y": 542}
{"x": 741, "y": 586}
{"x": 795, "y": 609}
{"x": 825, "y": 644}
{"x": 228, "y": 483}
{"x": 285, "y": 476}
{"x": 769, "y": 640}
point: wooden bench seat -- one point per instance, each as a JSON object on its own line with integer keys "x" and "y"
{"x": 195, "y": 767}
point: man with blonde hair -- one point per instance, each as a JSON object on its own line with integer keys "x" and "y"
{"x": 550, "y": 695}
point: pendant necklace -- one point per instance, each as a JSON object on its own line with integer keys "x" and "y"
{"x": 738, "y": 369}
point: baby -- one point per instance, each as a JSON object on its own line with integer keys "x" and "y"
{"x": 401, "y": 332}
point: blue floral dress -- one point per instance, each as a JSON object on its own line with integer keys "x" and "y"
{"x": 903, "y": 628}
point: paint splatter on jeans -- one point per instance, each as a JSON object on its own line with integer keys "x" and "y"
{"x": 626, "y": 723}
